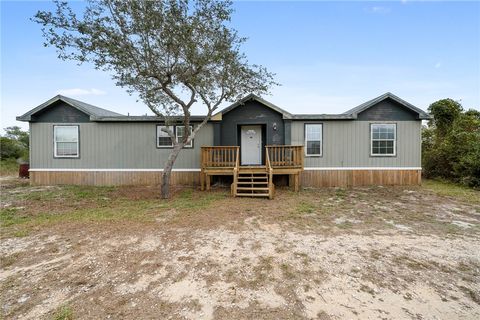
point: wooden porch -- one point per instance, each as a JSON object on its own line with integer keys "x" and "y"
{"x": 252, "y": 181}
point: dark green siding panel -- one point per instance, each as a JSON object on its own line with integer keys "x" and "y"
{"x": 288, "y": 132}
{"x": 388, "y": 110}
{"x": 252, "y": 112}
{"x": 61, "y": 112}
{"x": 217, "y": 134}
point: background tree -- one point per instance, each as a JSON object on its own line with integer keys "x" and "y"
{"x": 451, "y": 143}
{"x": 172, "y": 53}
{"x": 14, "y": 144}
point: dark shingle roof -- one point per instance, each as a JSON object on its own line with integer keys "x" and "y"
{"x": 99, "y": 114}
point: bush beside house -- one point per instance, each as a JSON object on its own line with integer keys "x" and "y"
{"x": 13, "y": 149}
{"x": 451, "y": 143}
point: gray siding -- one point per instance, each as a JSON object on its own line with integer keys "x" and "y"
{"x": 113, "y": 146}
{"x": 347, "y": 144}
{"x": 388, "y": 109}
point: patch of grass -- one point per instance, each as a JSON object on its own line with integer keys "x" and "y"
{"x": 345, "y": 225}
{"x": 127, "y": 210}
{"x": 10, "y": 217}
{"x": 7, "y": 261}
{"x": 340, "y": 193}
{"x": 63, "y": 313}
{"x": 304, "y": 207}
{"x": 20, "y": 233}
{"x": 8, "y": 167}
{"x": 287, "y": 271}
{"x": 190, "y": 199}
{"x": 454, "y": 190}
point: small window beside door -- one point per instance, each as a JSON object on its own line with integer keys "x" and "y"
{"x": 313, "y": 139}
{"x": 66, "y": 142}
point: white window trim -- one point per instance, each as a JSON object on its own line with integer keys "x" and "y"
{"x": 394, "y": 154}
{"x": 321, "y": 140}
{"x": 190, "y": 145}
{"x": 55, "y": 141}
{"x": 174, "y": 129}
{"x": 156, "y": 136}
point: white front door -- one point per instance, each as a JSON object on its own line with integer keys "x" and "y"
{"x": 251, "y": 146}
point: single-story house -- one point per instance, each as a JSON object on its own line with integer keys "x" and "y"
{"x": 252, "y": 141}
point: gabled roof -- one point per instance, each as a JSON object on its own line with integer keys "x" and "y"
{"x": 286, "y": 115}
{"x": 364, "y": 106}
{"x": 86, "y": 108}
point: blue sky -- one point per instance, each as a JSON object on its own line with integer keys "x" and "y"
{"x": 328, "y": 56}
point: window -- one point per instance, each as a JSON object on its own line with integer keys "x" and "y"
{"x": 383, "y": 137}
{"x": 164, "y": 141}
{"x": 180, "y": 134}
{"x": 313, "y": 139}
{"x": 65, "y": 142}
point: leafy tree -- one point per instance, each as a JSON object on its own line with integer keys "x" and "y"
{"x": 444, "y": 112}
{"x": 9, "y": 149}
{"x": 172, "y": 53}
{"x": 451, "y": 144}
{"x": 16, "y": 133}
{"x": 14, "y": 144}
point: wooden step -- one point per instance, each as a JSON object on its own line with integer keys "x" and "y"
{"x": 252, "y": 195}
{"x": 253, "y": 178}
{"x": 252, "y": 188}
{"x": 252, "y": 182}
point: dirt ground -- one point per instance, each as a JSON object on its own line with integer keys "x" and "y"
{"x": 122, "y": 253}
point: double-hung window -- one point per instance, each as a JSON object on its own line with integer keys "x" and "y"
{"x": 180, "y": 134}
{"x": 313, "y": 139}
{"x": 164, "y": 140}
{"x": 383, "y": 139}
{"x": 66, "y": 142}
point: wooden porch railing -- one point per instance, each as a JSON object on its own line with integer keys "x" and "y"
{"x": 271, "y": 186}
{"x": 220, "y": 156}
{"x": 285, "y": 156}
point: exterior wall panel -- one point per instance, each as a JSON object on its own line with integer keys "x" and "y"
{"x": 111, "y": 178}
{"x": 114, "y": 146}
{"x": 347, "y": 144}
{"x": 352, "y": 178}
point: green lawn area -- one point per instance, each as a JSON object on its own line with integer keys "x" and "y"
{"x": 450, "y": 189}
{"x": 8, "y": 167}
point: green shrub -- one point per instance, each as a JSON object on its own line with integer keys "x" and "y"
{"x": 451, "y": 144}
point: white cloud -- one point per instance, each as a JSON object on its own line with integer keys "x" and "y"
{"x": 81, "y": 92}
{"x": 380, "y": 10}
{"x": 438, "y": 65}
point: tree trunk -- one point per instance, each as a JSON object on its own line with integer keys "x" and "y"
{"x": 167, "y": 170}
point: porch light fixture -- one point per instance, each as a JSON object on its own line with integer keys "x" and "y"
{"x": 274, "y": 126}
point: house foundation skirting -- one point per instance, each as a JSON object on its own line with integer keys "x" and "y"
{"x": 112, "y": 178}
{"x": 360, "y": 177}
{"x": 311, "y": 177}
